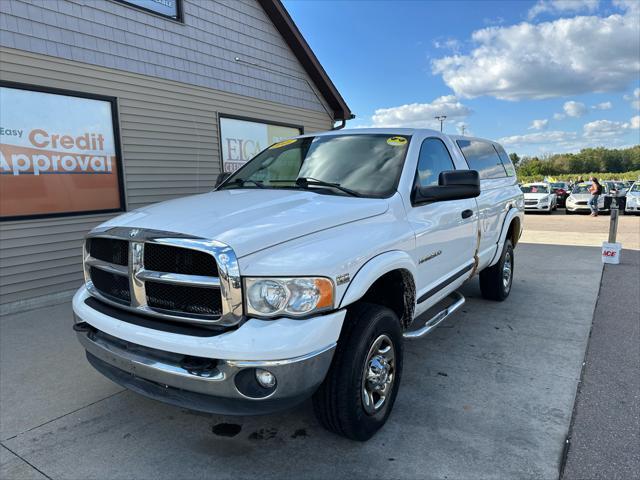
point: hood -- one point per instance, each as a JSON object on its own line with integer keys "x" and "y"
{"x": 535, "y": 196}
{"x": 251, "y": 219}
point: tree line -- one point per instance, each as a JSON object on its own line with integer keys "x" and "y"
{"x": 588, "y": 160}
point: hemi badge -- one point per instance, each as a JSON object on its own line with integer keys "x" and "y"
{"x": 430, "y": 256}
{"x": 344, "y": 278}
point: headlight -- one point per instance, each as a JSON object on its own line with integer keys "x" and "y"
{"x": 270, "y": 297}
{"x": 543, "y": 200}
{"x": 570, "y": 199}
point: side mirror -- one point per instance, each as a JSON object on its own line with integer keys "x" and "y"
{"x": 221, "y": 178}
{"x": 452, "y": 185}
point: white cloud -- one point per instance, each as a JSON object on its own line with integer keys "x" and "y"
{"x": 603, "y": 106}
{"x": 420, "y": 115}
{"x": 567, "y": 56}
{"x": 555, "y": 137}
{"x": 561, "y": 7}
{"x": 597, "y": 133}
{"x": 559, "y": 116}
{"x": 634, "y": 99}
{"x": 539, "y": 124}
{"x": 448, "y": 43}
{"x": 603, "y": 128}
{"x": 574, "y": 109}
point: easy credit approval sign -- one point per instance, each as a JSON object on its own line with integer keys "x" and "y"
{"x": 57, "y": 154}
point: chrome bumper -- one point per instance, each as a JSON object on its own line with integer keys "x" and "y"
{"x": 211, "y": 385}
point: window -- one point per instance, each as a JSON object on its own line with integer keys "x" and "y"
{"x": 434, "y": 158}
{"x": 369, "y": 164}
{"x": 506, "y": 161}
{"x": 242, "y": 139}
{"x": 481, "y": 156}
{"x": 166, "y": 8}
{"x": 59, "y": 153}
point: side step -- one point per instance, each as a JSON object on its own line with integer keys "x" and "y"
{"x": 438, "y": 318}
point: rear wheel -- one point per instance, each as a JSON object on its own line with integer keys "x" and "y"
{"x": 358, "y": 393}
{"x": 496, "y": 281}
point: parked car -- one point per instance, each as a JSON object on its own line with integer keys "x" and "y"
{"x": 562, "y": 190}
{"x": 614, "y": 192}
{"x": 539, "y": 197}
{"x": 578, "y": 201}
{"x": 301, "y": 275}
{"x": 632, "y": 205}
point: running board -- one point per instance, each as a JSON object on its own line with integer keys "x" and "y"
{"x": 438, "y": 318}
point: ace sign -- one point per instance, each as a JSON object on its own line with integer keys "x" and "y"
{"x": 241, "y": 140}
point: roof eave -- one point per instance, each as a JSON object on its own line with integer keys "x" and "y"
{"x": 285, "y": 25}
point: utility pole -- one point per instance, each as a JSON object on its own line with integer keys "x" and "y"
{"x": 463, "y": 128}
{"x": 441, "y": 119}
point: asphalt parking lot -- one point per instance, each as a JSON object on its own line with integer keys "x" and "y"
{"x": 488, "y": 395}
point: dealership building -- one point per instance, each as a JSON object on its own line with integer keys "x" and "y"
{"x": 111, "y": 105}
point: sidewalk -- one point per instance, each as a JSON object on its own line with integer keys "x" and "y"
{"x": 605, "y": 431}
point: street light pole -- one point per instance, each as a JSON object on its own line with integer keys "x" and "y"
{"x": 441, "y": 119}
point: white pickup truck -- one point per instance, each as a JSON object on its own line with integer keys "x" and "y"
{"x": 301, "y": 274}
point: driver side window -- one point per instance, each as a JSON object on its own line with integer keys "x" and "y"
{"x": 434, "y": 158}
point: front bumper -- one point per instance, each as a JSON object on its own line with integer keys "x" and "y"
{"x": 537, "y": 208}
{"x": 217, "y": 386}
{"x": 215, "y": 373}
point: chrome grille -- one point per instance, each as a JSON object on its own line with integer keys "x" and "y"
{"x": 195, "y": 300}
{"x": 109, "y": 250}
{"x": 111, "y": 285}
{"x": 164, "y": 258}
{"x": 164, "y": 275}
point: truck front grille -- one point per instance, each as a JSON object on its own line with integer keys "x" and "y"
{"x": 109, "y": 250}
{"x": 155, "y": 274}
{"x": 113, "y": 286}
{"x": 178, "y": 298}
{"x": 165, "y": 258}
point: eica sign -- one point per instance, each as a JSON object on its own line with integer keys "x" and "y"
{"x": 52, "y": 163}
{"x": 241, "y": 140}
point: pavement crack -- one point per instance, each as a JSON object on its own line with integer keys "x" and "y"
{"x": 63, "y": 415}
{"x": 27, "y": 462}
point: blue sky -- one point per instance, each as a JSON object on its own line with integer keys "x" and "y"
{"x": 541, "y": 76}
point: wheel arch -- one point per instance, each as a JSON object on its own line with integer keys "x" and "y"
{"x": 511, "y": 229}
{"x": 389, "y": 280}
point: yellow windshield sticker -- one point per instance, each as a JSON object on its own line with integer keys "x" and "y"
{"x": 283, "y": 143}
{"x": 396, "y": 141}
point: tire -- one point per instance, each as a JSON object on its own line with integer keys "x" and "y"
{"x": 339, "y": 403}
{"x": 492, "y": 280}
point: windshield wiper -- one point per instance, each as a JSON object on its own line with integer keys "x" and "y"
{"x": 305, "y": 182}
{"x": 242, "y": 181}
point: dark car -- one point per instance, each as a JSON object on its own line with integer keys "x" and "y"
{"x": 614, "y": 192}
{"x": 562, "y": 191}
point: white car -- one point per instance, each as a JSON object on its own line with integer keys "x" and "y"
{"x": 578, "y": 201}
{"x": 633, "y": 200}
{"x": 301, "y": 275}
{"x": 539, "y": 197}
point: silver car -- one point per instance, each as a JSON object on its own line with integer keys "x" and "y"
{"x": 578, "y": 201}
{"x": 539, "y": 197}
{"x": 633, "y": 200}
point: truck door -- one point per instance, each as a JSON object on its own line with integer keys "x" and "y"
{"x": 446, "y": 232}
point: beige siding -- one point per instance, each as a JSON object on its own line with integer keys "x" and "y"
{"x": 170, "y": 148}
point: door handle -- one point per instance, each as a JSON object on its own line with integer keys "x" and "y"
{"x": 467, "y": 213}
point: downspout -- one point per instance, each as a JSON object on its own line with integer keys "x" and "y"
{"x": 343, "y": 123}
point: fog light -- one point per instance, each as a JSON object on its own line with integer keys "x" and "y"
{"x": 265, "y": 378}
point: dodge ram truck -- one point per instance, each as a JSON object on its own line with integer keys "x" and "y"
{"x": 301, "y": 274}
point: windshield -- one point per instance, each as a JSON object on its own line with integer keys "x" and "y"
{"x": 558, "y": 185}
{"x": 635, "y": 187}
{"x": 581, "y": 188}
{"x": 369, "y": 165}
{"x": 535, "y": 189}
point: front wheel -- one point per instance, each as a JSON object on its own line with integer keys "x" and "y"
{"x": 358, "y": 393}
{"x": 496, "y": 281}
